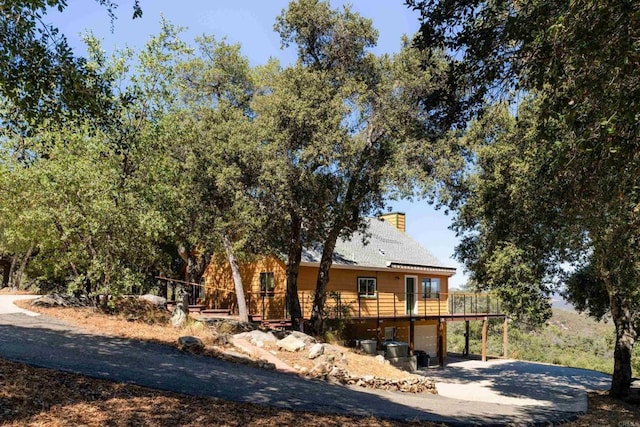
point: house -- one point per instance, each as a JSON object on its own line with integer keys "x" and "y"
{"x": 384, "y": 286}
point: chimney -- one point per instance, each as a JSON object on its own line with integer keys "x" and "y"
{"x": 396, "y": 219}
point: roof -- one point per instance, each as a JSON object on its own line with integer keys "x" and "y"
{"x": 384, "y": 247}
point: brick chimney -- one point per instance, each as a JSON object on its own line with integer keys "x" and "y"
{"x": 396, "y": 219}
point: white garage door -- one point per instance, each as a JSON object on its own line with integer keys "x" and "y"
{"x": 426, "y": 339}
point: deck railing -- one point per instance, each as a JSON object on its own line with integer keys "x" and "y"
{"x": 273, "y": 305}
{"x": 343, "y": 304}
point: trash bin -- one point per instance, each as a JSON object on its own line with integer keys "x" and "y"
{"x": 369, "y": 346}
{"x": 395, "y": 349}
{"x": 423, "y": 358}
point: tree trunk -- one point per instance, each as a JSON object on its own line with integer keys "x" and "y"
{"x": 237, "y": 279}
{"x": 320, "y": 296}
{"x": 12, "y": 269}
{"x": 625, "y": 338}
{"x": 194, "y": 270}
{"x": 23, "y": 265}
{"x": 293, "y": 268}
{"x": 6, "y": 268}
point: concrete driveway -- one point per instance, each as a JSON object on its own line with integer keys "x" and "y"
{"x": 8, "y": 307}
{"x": 496, "y": 393}
{"x": 519, "y": 383}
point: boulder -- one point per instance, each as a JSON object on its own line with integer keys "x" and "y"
{"x": 316, "y": 350}
{"x": 179, "y": 317}
{"x": 290, "y": 343}
{"x": 189, "y": 343}
{"x": 222, "y": 339}
{"x": 321, "y": 368}
{"x": 47, "y": 301}
{"x": 153, "y": 299}
{"x": 257, "y": 337}
{"x": 307, "y": 339}
{"x": 59, "y": 300}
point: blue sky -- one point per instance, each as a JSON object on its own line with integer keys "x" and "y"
{"x": 250, "y": 23}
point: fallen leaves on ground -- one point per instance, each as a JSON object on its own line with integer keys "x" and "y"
{"x": 26, "y": 400}
{"x": 607, "y": 411}
{"x": 42, "y": 397}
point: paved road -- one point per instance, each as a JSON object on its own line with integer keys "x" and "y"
{"x": 41, "y": 341}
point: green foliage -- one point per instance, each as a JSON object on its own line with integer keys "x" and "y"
{"x": 92, "y": 226}
{"x": 40, "y": 77}
{"x": 568, "y": 194}
{"x": 568, "y": 339}
{"x": 347, "y": 128}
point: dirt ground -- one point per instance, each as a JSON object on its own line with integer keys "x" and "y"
{"x": 40, "y": 397}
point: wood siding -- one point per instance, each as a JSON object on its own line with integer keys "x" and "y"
{"x": 220, "y": 291}
{"x": 343, "y": 300}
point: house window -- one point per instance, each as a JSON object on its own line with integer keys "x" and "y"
{"x": 267, "y": 284}
{"x": 430, "y": 288}
{"x": 367, "y": 287}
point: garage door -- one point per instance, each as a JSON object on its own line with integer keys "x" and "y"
{"x": 426, "y": 339}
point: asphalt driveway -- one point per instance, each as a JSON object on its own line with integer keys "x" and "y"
{"x": 516, "y": 389}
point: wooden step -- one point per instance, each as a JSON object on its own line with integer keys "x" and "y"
{"x": 216, "y": 311}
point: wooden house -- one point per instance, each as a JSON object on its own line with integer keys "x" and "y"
{"x": 384, "y": 286}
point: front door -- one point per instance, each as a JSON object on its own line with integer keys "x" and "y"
{"x": 410, "y": 294}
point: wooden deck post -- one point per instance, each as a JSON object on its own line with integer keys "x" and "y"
{"x": 505, "y": 353}
{"x": 440, "y": 342}
{"x": 465, "y": 352}
{"x": 485, "y": 324}
{"x": 412, "y": 334}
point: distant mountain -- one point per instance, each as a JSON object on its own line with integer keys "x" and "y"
{"x": 560, "y": 303}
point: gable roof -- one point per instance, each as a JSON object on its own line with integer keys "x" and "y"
{"x": 385, "y": 248}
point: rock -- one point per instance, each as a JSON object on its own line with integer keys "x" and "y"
{"x": 189, "y": 343}
{"x": 316, "y": 350}
{"x": 179, "y": 317}
{"x": 257, "y": 336}
{"x": 307, "y": 339}
{"x": 266, "y": 365}
{"x": 290, "y": 343}
{"x": 58, "y": 300}
{"x": 380, "y": 359}
{"x": 221, "y": 339}
{"x": 154, "y": 299}
{"x": 321, "y": 369}
{"x": 47, "y": 301}
{"x": 258, "y": 344}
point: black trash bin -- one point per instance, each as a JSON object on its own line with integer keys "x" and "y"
{"x": 422, "y": 358}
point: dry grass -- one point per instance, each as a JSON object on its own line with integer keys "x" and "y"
{"x": 606, "y": 411}
{"x": 41, "y": 397}
{"x": 357, "y": 364}
{"x": 93, "y": 320}
{"x": 96, "y": 321}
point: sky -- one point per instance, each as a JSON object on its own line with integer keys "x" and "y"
{"x": 250, "y": 23}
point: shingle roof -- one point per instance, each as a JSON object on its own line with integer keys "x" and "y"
{"x": 384, "y": 247}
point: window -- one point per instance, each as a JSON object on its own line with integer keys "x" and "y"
{"x": 430, "y": 288}
{"x": 267, "y": 284}
{"x": 367, "y": 287}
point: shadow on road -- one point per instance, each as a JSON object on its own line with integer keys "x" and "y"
{"x": 166, "y": 368}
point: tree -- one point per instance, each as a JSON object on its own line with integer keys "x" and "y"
{"x": 577, "y": 60}
{"x": 212, "y": 139}
{"x": 39, "y": 75}
{"x": 83, "y": 197}
{"x": 349, "y": 129}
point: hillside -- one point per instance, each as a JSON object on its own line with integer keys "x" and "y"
{"x": 569, "y": 338}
